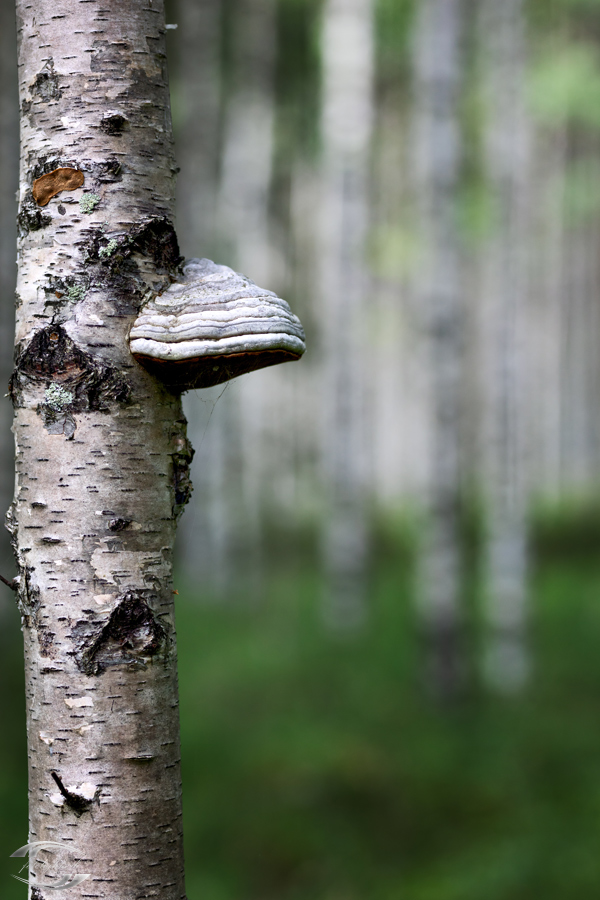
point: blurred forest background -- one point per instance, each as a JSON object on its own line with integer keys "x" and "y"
{"x": 389, "y": 572}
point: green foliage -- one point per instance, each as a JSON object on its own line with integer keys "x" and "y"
{"x": 476, "y": 211}
{"x": 564, "y": 86}
{"x": 297, "y": 79}
{"x": 394, "y": 251}
{"x": 393, "y": 23}
{"x": 315, "y": 768}
{"x": 582, "y": 191}
{"x": 13, "y": 747}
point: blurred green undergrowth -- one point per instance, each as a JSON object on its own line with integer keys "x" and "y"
{"x": 316, "y": 768}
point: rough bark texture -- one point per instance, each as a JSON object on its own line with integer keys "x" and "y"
{"x": 437, "y": 85}
{"x": 101, "y": 451}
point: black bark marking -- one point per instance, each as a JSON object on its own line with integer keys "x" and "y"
{"x": 110, "y": 58}
{"x": 46, "y": 84}
{"x": 28, "y": 598}
{"x": 114, "y": 124}
{"x": 116, "y": 270}
{"x": 28, "y": 602}
{"x": 119, "y": 523}
{"x": 62, "y": 294}
{"x": 45, "y": 640}
{"x": 109, "y": 170}
{"x": 30, "y": 217}
{"x": 157, "y": 239}
{"x": 52, "y": 358}
{"x": 182, "y": 458}
{"x": 131, "y": 637}
{"x": 74, "y": 801}
{"x": 36, "y": 894}
{"x": 118, "y": 274}
{"x": 43, "y": 165}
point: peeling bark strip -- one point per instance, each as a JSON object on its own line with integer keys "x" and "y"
{"x": 102, "y": 458}
{"x": 47, "y": 186}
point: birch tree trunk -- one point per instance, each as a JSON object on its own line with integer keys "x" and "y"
{"x": 101, "y": 449}
{"x": 347, "y": 123}
{"x": 503, "y": 43}
{"x": 438, "y": 66}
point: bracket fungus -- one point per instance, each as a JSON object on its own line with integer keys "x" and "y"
{"x": 212, "y": 325}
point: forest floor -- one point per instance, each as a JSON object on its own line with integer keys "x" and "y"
{"x": 315, "y": 767}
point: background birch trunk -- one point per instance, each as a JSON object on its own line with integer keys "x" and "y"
{"x": 347, "y": 123}
{"x": 203, "y": 544}
{"x": 507, "y": 150}
{"x": 101, "y": 450}
{"x": 438, "y": 65}
{"x": 244, "y": 236}
{"x": 227, "y": 508}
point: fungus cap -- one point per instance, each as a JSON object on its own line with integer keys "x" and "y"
{"x": 213, "y": 325}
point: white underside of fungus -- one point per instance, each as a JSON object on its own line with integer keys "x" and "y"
{"x": 212, "y": 325}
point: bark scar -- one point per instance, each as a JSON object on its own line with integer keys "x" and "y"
{"x": 182, "y": 459}
{"x": 74, "y": 380}
{"x": 75, "y": 801}
{"x": 132, "y": 636}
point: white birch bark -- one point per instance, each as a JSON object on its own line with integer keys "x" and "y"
{"x": 438, "y": 63}
{"x": 506, "y": 660}
{"x": 347, "y": 121}
{"x": 101, "y": 451}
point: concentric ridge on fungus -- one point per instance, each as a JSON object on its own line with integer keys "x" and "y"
{"x": 213, "y": 325}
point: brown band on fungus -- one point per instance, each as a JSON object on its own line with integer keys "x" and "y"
{"x": 63, "y": 179}
{"x": 208, "y": 371}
